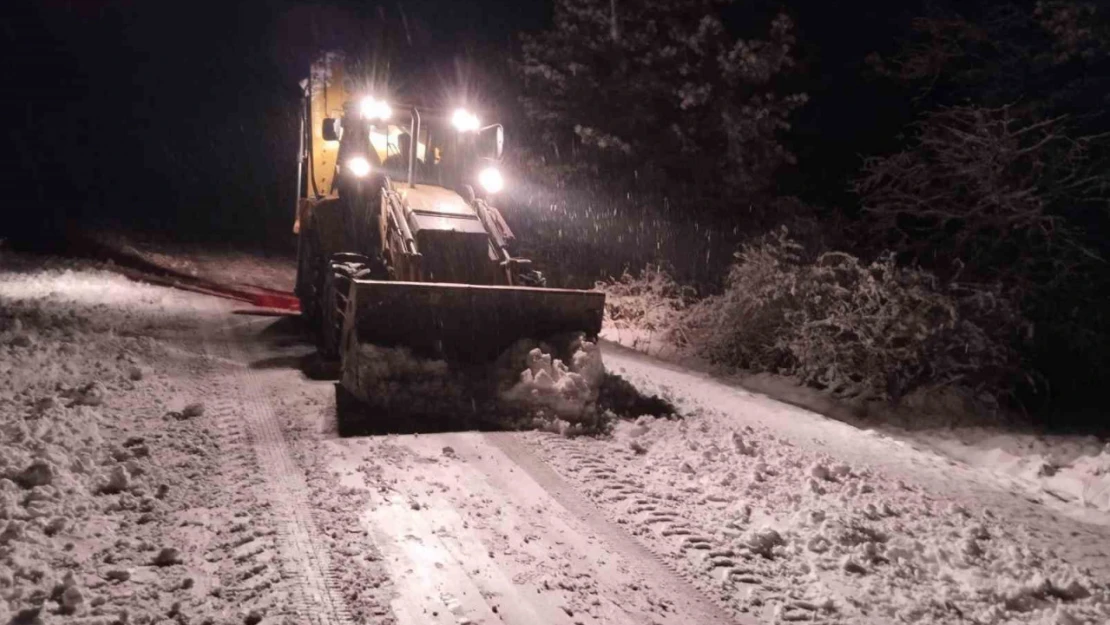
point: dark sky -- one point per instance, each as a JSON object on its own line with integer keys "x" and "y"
{"x": 182, "y": 116}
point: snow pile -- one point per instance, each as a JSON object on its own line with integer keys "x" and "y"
{"x": 557, "y": 395}
{"x": 788, "y": 533}
{"x": 1074, "y": 469}
{"x": 528, "y": 386}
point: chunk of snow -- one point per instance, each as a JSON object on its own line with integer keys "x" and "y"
{"x": 763, "y": 541}
{"x": 118, "y": 481}
{"x": 568, "y": 392}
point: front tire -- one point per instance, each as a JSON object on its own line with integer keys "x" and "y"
{"x": 342, "y": 271}
{"x": 310, "y": 265}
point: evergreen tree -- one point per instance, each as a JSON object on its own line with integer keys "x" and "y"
{"x": 660, "y": 91}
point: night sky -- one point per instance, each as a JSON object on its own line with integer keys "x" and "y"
{"x": 182, "y": 117}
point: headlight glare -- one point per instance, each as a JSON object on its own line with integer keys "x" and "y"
{"x": 491, "y": 180}
{"x": 465, "y": 121}
{"x": 358, "y": 166}
{"x": 372, "y": 108}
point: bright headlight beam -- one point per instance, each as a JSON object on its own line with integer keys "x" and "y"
{"x": 465, "y": 121}
{"x": 358, "y": 166}
{"x": 366, "y": 107}
{"x": 372, "y": 108}
{"x": 491, "y": 180}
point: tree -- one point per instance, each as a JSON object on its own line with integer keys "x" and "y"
{"x": 1007, "y": 180}
{"x": 660, "y": 91}
{"x": 1006, "y": 196}
{"x": 1049, "y": 57}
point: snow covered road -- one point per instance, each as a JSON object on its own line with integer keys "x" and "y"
{"x": 468, "y": 527}
{"x": 245, "y": 505}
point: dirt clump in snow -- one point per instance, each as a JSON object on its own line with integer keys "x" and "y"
{"x": 623, "y": 398}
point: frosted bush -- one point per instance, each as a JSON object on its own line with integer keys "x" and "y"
{"x": 741, "y": 327}
{"x": 880, "y": 330}
{"x": 651, "y": 300}
{"x": 874, "y": 330}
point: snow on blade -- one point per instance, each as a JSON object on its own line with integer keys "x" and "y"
{"x": 394, "y": 379}
{"x": 558, "y": 396}
{"x": 529, "y": 385}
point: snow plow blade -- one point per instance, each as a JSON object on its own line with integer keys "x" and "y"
{"x": 464, "y": 323}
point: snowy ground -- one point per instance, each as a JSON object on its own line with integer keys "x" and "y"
{"x": 129, "y": 493}
{"x": 1068, "y": 472}
{"x": 810, "y": 511}
{"x": 165, "y": 460}
{"x": 230, "y": 266}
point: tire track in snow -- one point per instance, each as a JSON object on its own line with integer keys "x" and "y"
{"x": 240, "y": 554}
{"x": 698, "y": 607}
{"x": 705, "y": 559}
{"x": 305, "y": 558}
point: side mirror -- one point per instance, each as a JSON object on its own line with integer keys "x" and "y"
{"x": 491, "y": 142}
{"x": 329, "y": 131}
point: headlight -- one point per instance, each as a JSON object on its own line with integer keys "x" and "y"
{"x": 375, "y": 109}
{"x": 358, "y": 166}
{"x": 465, "y": 121}
{"x": 491, "y": 180}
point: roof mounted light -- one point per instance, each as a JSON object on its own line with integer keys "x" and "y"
{"x": 491, "y": 180}
{"x": 465, "y": 121}
{"x": 358, "y": 166}
{"x": 372, "y": 108}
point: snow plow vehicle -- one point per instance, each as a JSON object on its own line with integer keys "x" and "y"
{"x": 399, "y": 246}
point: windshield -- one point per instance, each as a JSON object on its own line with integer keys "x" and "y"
{"x": 441, "y": 155}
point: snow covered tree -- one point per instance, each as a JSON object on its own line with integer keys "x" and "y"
{"x": 1007, "y": 181}
{"x": 660, "y": 91}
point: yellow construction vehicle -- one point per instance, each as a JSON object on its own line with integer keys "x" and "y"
{"x": 399, "y": 245}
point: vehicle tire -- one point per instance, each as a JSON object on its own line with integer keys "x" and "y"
{"x": 310, "y": 266}
{"x": 342, "y": 270}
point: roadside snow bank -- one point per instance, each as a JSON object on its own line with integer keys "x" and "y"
{"x": 1075, "y": 469}
{"x": 69, "y": 284}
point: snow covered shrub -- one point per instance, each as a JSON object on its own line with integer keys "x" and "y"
{"x": 652, "y": 300}
{"x": 743, "y": 326}
{"x": 879, "y": 330}
{"x": 875, "y": 330}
